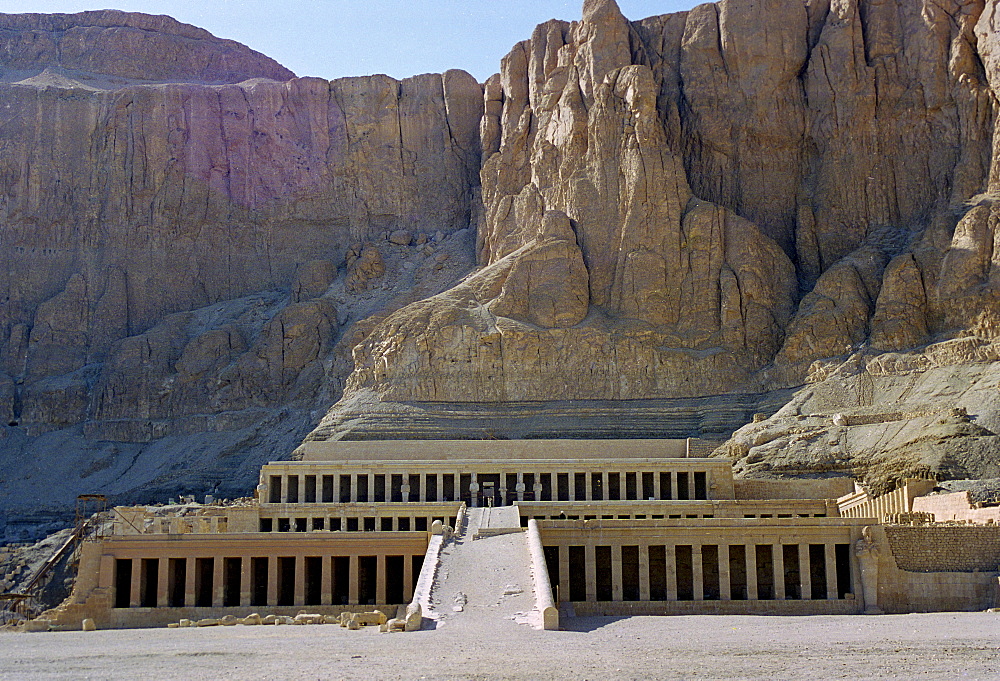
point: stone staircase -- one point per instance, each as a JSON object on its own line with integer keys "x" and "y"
{"x": 484, "y": 579}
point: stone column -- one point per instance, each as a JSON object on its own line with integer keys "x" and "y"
{"x": 189, "y": 570}
{"x": 588, "y": 485}
{"x": 657, "y": 492}
{"x": 371, "y": 489}
{"x": 284, "y": 488}
{"x": 353, "y": 585}
{"x": 302, "y": 488}
{"x": 422, "y": 481}
{"x": 779, "y": 572}
{"x": 326, "y": 580}
{"x": 354, "y": 487}
{"x": 299, "y": 590}
{"x": 474, "y": 491}
{"x": 751, "y": 554}
{"x": 673, "y": 485}
{"x": 245, "y": 590}
{"x": 519, "y": 487}
{"x": 162, "y": 582}
{"x": 725, "y": 578}
{"x": 408, "y": 577}
{"x": 218, "y": 588}
{"x": 135, "y": 587}
{"x": 590, "y": 555}
{"x": 380, "y": 578}
{"x": 644, "y": 572}
{"x": 697, "y": 573}
{"x": 805, "y": 578}
{"x": 616, "y": 573}
{"x": 439, "y": 495}
{"x": 671, "y": 555}
{"x": 829, "y": 553}
{"x": 272, "y": 580}
{"x": 605, "y": 489}
{"x": 563, "y": 573}
{"x": 691, "y": 485}
{"x": 571, "y": 485}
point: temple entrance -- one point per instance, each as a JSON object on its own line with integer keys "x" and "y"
{"x": 489, "y": 490}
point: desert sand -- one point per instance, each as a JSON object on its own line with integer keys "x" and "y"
{"x": 925, "y": 646}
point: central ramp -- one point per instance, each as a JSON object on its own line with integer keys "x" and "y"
{"x": 484, "y": 578}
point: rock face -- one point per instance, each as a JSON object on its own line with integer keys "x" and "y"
{"x": 708, "y": 202}
{"x": 128, "y": 45}
{"x": 175, "y": 219}
{"x": 206, "y": 252}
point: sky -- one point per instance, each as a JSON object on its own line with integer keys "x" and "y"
{"x": 335, "y": 38}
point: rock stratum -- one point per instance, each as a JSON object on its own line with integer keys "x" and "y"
{"x": 658, "y": 227}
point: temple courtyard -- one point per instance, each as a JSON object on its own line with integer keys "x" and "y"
{"x": 926, "y": 646}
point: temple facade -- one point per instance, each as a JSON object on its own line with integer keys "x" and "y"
{"x": 622, "y": 527}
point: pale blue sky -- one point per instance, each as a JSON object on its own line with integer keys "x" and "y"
{"x": 334, "y": 38}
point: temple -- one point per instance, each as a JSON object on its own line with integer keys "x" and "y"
{"x": 610, "y": 527}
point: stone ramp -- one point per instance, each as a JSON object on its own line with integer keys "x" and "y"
{"x": 497, "y": 520}
{"x": 485, "y": 583}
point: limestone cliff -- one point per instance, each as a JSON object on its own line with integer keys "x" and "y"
{"x": 177, "y": 220}
{"x": 708, "y": 202}
{"x": 655, "y": 227}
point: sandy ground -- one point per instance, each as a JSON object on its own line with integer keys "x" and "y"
{"x": 934, "y": 646}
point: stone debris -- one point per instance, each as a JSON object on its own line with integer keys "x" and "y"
{"x": 460, "y": 602}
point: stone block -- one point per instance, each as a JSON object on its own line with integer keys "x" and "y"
{"x": 88, "y": 625}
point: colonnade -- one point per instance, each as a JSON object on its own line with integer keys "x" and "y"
{"x": 264, "y": 580}
{"x": 691, "y": 571}
{"x": 482, "y": 487}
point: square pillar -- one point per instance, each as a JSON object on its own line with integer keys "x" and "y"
{"x": 563, "y": 573}
{"x": 162, "y": 580}
{"x": 408, "y": 578}
{"x": 189, "y": 574}
{"x": 380, "y": 578}
{"x": 725, "y": 578}
{"x": 671, "y": 555}
{"x": 604, "y": 486}
{"x": 590, "y": 555}
{"x": 371, "y": 489}
{"x": 440, "y": 486}
{"x": 779, "y": 572}
{"x": 673, "y": 486}
{"x": 135, "y": 587}
{"x": 520, "y": 486}
{"x": 751, "y": 554}
{"x": 697, "y": 573}
{"x": 326, "y": 580}
{"x": 588, "y": 486}
{"x": 299, "y": 590}
{"x": 245, "y": 591}
{"x": 302, "y": 487}
{"x": 644, "y": 572}
{"x": 354, "y": 487}
{"x": 805, "y": 576}
{"x": 272, "y": 580}
{"x": 831, "y": 573}
{"x": 284, "y": 489}
{"x": 571, "y": 478}
{"x": 691, "y": 485}
{"x": 422, "y": 494}
{"x": 352, "y": 586}
{"x": 616, "y": 572}
{"x": 657, "y": 492}
{"x": 218, "y": 591}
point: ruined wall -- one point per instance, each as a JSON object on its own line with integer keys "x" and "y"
{"x": 945, "y": 549}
